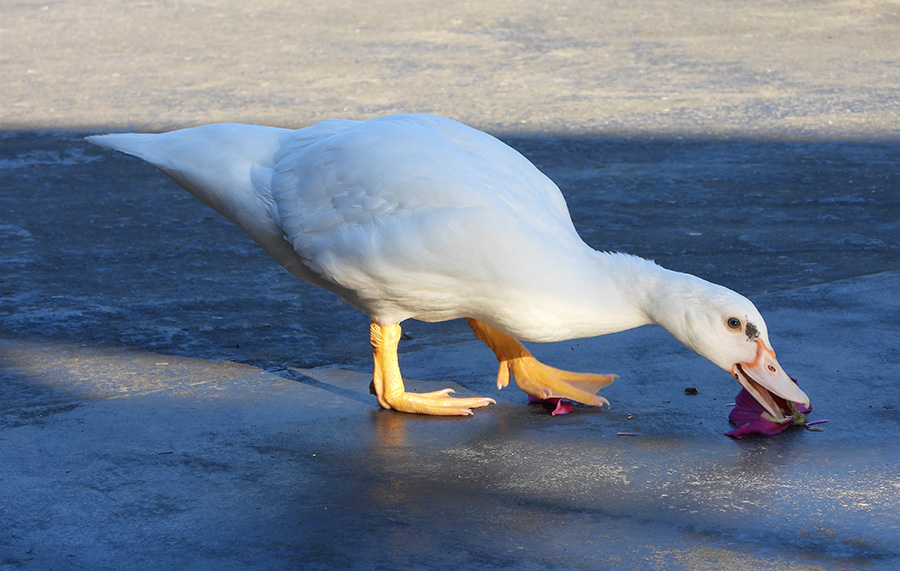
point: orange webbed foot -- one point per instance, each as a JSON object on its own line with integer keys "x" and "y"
{"x": 535, "y": 378}
{"x": 387, "y": 383}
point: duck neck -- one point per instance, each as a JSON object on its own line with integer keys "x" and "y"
{"x": 609, "y": 292}
{"x": 646, "y": 293}
{"x": 671, "y": 299}
{"x": 596, "y": 293}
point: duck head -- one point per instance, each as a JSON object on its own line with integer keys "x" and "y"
{"x": 727, "y": 329}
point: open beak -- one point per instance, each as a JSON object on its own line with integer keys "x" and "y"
{"x": 763, "y": 376}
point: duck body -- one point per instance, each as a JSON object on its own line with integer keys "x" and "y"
{"x": 408, "y": 216}
{"x": 418, "y": 216}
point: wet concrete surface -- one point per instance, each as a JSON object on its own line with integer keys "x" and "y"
{"x": 169, "y": 397}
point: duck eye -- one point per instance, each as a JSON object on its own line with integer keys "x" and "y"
{"x": 734, "y": 323}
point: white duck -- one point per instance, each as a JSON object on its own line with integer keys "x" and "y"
{"x": 417, "y": 216}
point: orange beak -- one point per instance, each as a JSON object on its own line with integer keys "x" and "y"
{"x": 763, "y": 377}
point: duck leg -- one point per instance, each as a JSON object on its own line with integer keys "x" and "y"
{"x": 535, "y": 378}
{"x": 387, "y": 383}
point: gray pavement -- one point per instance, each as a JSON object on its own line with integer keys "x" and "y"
{"x": 170, "y": 398}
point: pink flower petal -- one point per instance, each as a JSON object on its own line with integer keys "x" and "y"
{"x": 563, "y": 407}
{"x": 555, "y": 405}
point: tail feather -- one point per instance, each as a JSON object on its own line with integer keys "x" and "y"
{"x": 216, "y": 163}
{"x": 213, "y": 162}
{"x": 136, "y": 144}
{"x": 226, "y": 166}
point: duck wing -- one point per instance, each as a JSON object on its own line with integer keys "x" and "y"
{"x": 408, "y": 207}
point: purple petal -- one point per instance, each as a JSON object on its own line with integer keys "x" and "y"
{"x": 751, "y": 418}
{"x": 746, "y": 409}
{"x": 760, "y": 426}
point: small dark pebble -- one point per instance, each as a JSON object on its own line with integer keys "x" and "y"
{"x": 690, "y": 390}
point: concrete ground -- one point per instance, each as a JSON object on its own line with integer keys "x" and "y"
{"x": 170, "y": 398}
